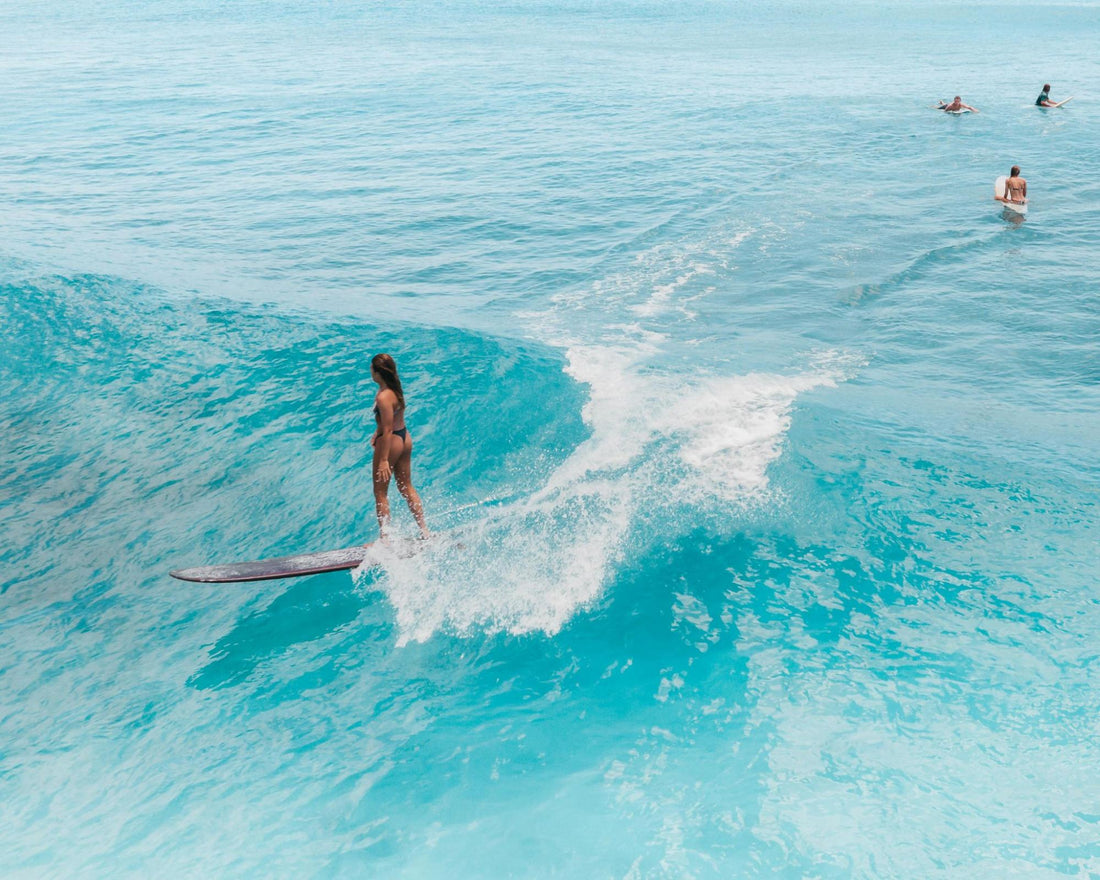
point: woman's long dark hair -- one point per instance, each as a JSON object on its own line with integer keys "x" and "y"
{"x": 385, "y": 367}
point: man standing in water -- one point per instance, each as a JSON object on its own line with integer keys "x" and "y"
{"x": 1015, "y": 187}
{"x": 1044, "y": 98}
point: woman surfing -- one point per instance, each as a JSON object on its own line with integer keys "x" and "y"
{"x": 392, "y": 444}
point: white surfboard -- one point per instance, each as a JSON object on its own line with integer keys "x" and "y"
{"x": 999, "y": 189}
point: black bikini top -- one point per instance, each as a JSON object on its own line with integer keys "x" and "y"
{"x": 396, "y": 413}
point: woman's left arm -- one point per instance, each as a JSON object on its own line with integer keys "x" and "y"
{"x": 382, "y": 440}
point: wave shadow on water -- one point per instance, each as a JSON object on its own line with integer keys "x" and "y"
{"x": 311, "y": 609}
{"x": 921, "y": 266}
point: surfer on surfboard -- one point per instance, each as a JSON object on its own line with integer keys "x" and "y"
{"x": 1044, "y": 98}
{"x": 1015, "y": 188}
{"x": 956, "y": 105}
{"x": 392, "y": 444}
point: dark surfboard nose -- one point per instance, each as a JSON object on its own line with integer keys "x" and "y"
{"x": 273, "y": 569}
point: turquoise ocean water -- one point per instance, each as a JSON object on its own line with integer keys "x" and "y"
{"x": 770, "y": 445}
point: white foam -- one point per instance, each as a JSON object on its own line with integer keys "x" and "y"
{"x": 733, "y": 428}
{"x": 524, "y": 568}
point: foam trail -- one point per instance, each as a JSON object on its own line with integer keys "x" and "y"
{"x": 662, "y": 293}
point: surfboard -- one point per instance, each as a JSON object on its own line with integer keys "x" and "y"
{"x": 303, "y": 564}
{"x": 999, "y": 190}
{"x": 1061, "y": 103}
{"x": 956, "y": 112}
{"x": 279, "y": 567}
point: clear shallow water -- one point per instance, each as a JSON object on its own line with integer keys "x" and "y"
{"x": 771, "y": 445}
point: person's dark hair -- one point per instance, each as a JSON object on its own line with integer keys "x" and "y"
{"x": 1015, "y": 172}
{"x": 1046, "y": 88}
{"x": 385, "y": 367}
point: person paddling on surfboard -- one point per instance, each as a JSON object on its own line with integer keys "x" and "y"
{"x": 1015, "y": 188}
{"x": 956, "y": 106}
{"x": 392, "y": 444}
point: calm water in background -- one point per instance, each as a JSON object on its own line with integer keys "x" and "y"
{"x": 770, "y": 445}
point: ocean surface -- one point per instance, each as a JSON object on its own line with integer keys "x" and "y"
{"x": 765, "y": 451}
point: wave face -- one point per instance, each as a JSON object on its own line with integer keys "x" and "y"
{"x": 762, "y": 451}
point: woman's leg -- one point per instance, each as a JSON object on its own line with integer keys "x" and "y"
{"x": 402, "y": 472}
{"x": 382, "y": 503}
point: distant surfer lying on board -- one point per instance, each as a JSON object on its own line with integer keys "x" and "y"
{"x": 1044, "y": 98}
{"x": 1015, "y": 188}
{"x": 392, "y": 444}
{"x": 956, "y": 105}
